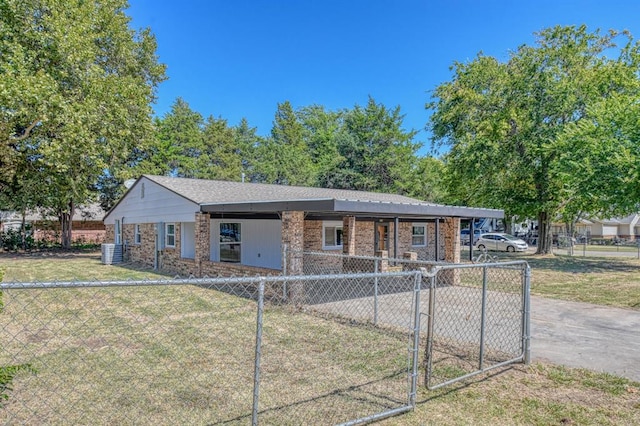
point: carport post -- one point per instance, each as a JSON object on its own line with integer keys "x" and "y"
{"x": 437, "y": 248}
{"x": 396, "y": 239}
{"x": 472, "y": 234}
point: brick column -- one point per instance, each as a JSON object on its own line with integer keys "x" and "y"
{"x": 451, "y": 231}
{"x": 292, "y": 262}
{"x": 203, "y": 240}
{"x": 349, "y": 235}
{"x": 293, "y": 240}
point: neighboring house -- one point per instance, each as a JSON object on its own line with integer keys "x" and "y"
{"x": 625, "y": 227}
{"x": 87, "y": 225}
{"x": 206, "y": 227}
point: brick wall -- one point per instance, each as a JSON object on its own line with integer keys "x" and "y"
{"x": 298, "y": 234}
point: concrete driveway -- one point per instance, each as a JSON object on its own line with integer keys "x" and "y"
{"x": 586, "y": 336}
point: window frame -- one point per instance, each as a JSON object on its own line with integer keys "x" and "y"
{"x": 338, "y": 234}
{"x": 168, "y": 234}
{"x": 137, "y": 236}
{"x": 423, "y": 235}
{"x": 229, "y": 243}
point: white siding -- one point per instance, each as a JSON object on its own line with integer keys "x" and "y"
{"x": 148, "y": 202}
{"x": 261, "y": 242}
{"x": 188, "y": 240}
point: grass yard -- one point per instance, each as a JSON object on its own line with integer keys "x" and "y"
{"x": 599, "y": 280}
{"x": 184, "y": 355}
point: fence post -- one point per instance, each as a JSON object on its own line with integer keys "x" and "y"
{"x": 483, "y": 314}
{"x": 284, "y": 272}
{"x": 375, "y": 293}
{"x": 430, "y": 316}
{"x": 416, "y": 339}
{"x": 256, "y": 371}
{"x": 526, "y": 315}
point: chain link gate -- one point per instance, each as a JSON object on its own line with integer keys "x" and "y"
{"x": 477, "y": 319}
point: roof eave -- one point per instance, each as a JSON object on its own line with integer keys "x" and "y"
{"x": 354, "y": 207}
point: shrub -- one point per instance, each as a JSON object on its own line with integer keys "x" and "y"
{"x": 7, "y": 373}
{"x": 14, "y": 239}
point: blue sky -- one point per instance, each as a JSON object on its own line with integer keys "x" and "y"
{"x": 238, "y": 58}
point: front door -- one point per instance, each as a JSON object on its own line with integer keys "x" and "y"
{"x": 382, "y": 236}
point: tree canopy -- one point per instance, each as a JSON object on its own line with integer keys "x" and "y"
{"x": 364, "y": 148}
{"x": 546, "y": 133}
{"x": 76, "y": 87}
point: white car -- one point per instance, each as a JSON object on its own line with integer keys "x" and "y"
{"x": 500, "y": 242}
{"x": 464, "y": 236}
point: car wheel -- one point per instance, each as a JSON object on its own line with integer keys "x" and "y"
{"x": 510, "y": 249}
{"x": 481, "y": 247}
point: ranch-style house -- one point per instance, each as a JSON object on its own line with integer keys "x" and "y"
{"x": 206, "y": 227}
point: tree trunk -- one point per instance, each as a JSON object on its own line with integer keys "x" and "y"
{"x": 545, "y": 239}
{"x": 65, "y": 225}
{"x": 23, "y": 230}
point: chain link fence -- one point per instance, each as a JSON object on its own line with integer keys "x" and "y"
{"x": 207, "y": 351}
{"x": 309, "y": 349}
{"x": 475, "y": 317}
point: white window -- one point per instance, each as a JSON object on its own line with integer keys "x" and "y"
{"x": 419, "y": 235}
{"x": 170, "y": 235}
{"x": 118, "y": 232}
{"x": 136, "y": 234}
{"x": 230, "y": 242}
{"x": 331, "y": 235}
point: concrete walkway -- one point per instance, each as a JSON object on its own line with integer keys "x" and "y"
{"x": 586, "y": 336}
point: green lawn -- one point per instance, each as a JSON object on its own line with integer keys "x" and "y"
{"x": 610, "y": 281}
{"x": 184, "y": 355}
{"x": 603, "y": 281}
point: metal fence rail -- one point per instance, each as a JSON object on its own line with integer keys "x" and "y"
{"x": 209, "y": 351}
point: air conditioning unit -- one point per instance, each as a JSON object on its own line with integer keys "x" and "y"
{"x": 111, "y": 253}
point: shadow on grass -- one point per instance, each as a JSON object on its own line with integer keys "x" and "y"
{"x": 453, "y": 388}
{"x": 356, "y": 393}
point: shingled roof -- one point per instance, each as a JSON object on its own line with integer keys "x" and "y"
{"x": 245, "y": 197}
{"x": 203, "y": 191}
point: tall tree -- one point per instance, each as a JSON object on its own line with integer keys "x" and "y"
{"x": 322, "y": 131}
{"x": 222, "y": 157}
{"x": 284, "y": 158}
{"x": 76, "y": 84}
{"x": 179, "y": 142}
{"x": 246, "y": 142}
{"x": 379, "y": 154}
{"x": 506, "y": 123}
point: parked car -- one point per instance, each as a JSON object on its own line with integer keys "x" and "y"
{"x": 500, "y": 242}
{"x": 464, "y": 236}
